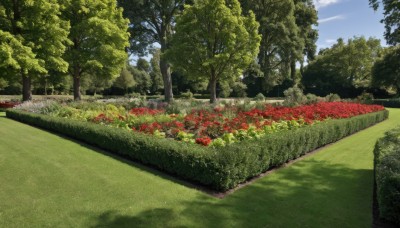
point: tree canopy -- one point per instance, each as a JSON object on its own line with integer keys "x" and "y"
{"x": 100, "y": 37}
{"x": 386, "y": 71}
{"x": 32, "y": 38}
{"x": 214, "y": 41}
{"x": 343, "y": 66}
{"x": 153, "y": 21}
{"x": 391, "y": 13}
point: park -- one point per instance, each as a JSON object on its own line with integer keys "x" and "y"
{"x": 199, "y": 113}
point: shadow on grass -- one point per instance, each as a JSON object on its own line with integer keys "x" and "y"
{"x": 308, "y": 194}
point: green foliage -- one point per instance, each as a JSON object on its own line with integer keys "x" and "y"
{"x": 288, "y": 35}
{"x": 260, "y": 97}
{"x": 155, "y": 74}
{"x": 332, "y": 97}
{"x": 99, "y": 34}
{"x": 387, "y": 175}
{"x": 214, "y": 41}
{"x": 391, "y": 12}
{"x": 389, "y": 103}
{"x": 187, "y": 95}
{"x": 125, "y": 80}
{"x": 294, "y": 96}
{"x": 33, "y": 39}
{"x": 386, "y": 71}
{"x": 344, "y": 65}
{"x": 142, "y": 79}
{"x": 365, "y": 97}
{"x": 220, "y": 169}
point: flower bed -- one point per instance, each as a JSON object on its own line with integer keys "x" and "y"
{"x": 222, "y": 126}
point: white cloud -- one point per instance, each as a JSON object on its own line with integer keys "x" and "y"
{"x": 334, "y": 18}
{"x": 323, "y": 3}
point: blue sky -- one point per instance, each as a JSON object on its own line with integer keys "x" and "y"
{"x": 346, "y": 19}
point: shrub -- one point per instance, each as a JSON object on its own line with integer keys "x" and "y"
{"x": 389, "y": 103}
{"x": 187, "y": 95}
{"x": 365, "y": 97}
{"x": 312, "y": 99}
{"x": 332, "y": 97}
{"x": 221, "y": 168}
{"x": 387, "y": 175}
{"x": 259, "y": 97}
{"x": 294, "y": 96}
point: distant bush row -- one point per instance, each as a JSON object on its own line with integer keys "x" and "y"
{"x": 389, "y": 103}
{"x": 387, "y": 175}
{"x": 220, "y": 169}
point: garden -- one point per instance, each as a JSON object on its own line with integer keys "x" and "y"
{"x": 199, "y": 113}
{"x": 203, "y": 143}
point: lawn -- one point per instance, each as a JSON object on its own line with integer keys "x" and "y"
{"x": 49, "y": 181}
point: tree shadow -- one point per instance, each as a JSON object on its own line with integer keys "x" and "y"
{"x": 158, "y": 217}
{"x": 306, "y": 194}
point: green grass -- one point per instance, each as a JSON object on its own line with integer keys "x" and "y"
{"x": 49, "y": 181}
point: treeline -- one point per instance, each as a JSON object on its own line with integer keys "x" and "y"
{"x": 217, "y": 47}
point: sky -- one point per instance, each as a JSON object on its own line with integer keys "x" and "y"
{"x": 346, "y": 19}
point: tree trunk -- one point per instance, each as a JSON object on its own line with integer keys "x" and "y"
{"x": 26, "y": 88}
{"x": 213, "y": 89}
{"x": 166, "y": 74}
{"x": 77, "y": 83}
{"x": 77, "y": 88}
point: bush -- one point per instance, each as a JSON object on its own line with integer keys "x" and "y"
{"x": 294, "y": 96}
{"x": 220, "y": 169}
{"x": 389, "y": 103}
{"x": 259, "y": 97}
{"x": 187, "y": 95}
{"x": 365, "y": 97}
{"x": 332, "y": 97}
{"x": 312, "y": 99}
{"x": 387, "y": 175}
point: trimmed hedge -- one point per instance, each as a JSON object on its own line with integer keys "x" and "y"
{"x": 389, "y": 103}
{"x": 220, "y": 169}
{"x": 387, "y": 175}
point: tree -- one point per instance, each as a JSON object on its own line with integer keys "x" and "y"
{"x": 33, "y": 39}
{"x": 213, "y": 40}
{"x": 386, "y": 71}
{"x": 100, "y": 37}
{"x": 155, "y": 74}
{"x": 306, "y": 17}
{"x": 343, "y": 66}
{"x": 152, "y": 21}
{"x": 391, "y": 12}
{"x": 280, "y": 38}
{"x": 125, "y": 80}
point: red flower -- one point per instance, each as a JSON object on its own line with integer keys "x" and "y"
{"x": 205, "y": 141}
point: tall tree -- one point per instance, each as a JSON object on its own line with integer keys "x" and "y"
{"x": 213, "y": 40}
{"x": 32, "y": 38}
{"x": 155, "y": 74}
{"x": 152, "y": 21}
{"x": 391, "y": 12}
{"x": 125, "y": 80}
{"x": 386, "y": 71}
{"x": 279, "y": 37}
{"x": 100, "y": 37}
